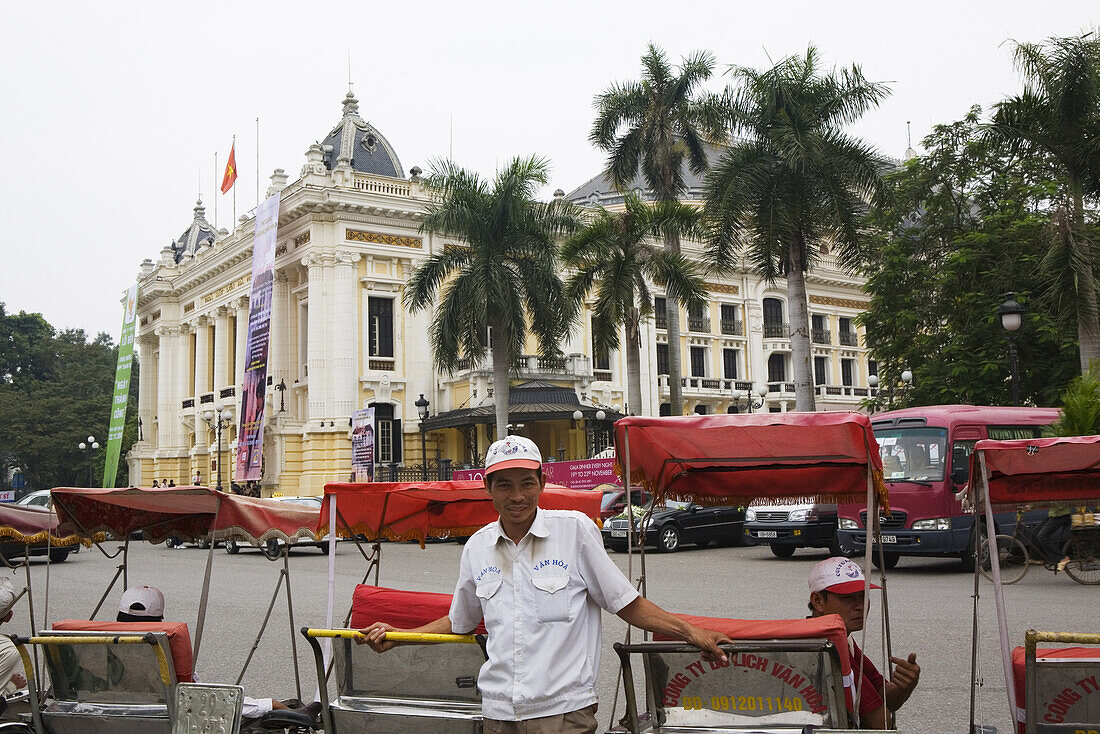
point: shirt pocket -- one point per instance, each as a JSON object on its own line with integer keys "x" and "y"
{"x": 490, "y": 607}
{"x": 551, "y": 600}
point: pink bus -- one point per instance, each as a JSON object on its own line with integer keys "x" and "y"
{"x": 925, "y": 457}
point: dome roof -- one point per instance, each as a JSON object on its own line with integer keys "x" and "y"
{"x": 198, "y": 234}
{"x": 358, "y": 144}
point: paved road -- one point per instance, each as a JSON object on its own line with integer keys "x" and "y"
{"x": 930, "y": 608}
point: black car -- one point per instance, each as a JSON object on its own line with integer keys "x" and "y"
{"x": 676, "y": 523}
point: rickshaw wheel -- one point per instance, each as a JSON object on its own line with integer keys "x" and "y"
{"x": 271, "y": 549}
{"x": 1012, "y": 556}
{"x": 1084, "y": 565}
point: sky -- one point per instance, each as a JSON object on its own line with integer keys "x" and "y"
{"x": 111, "y": 113}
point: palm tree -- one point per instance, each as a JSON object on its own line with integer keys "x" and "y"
{"x": 793, "y": 180}
{"x": 1058, "y": 116}
{"x": 613, "y": 255}
{"x": 657, "y": 125}
{"x": 503, "y": 281}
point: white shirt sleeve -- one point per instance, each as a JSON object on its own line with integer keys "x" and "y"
{"x": 253, "y": 708}
{"x": 606, "y": 584}
{"x": 10, "y": 664}
{"x": 465, "y": 610}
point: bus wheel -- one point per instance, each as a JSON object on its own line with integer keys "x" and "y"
{"x": 889, "y": 559}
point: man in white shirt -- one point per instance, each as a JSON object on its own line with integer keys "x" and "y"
{"x": 539, "y": 579}
{"x": 11, "y": 664}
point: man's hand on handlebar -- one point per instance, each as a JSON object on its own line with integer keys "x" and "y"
{"x": 376, "y": 636}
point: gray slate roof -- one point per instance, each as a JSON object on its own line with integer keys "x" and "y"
{"x": 599, "y": 190}
{"x": 360, "y": 144}
{"x": 198, "y": 234}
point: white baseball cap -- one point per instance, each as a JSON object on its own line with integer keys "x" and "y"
{"x": 838, "y": 575}
{"x": 513, "y": 452}
{"x": 142, "y": 601}
{"x": 8, "y": 595}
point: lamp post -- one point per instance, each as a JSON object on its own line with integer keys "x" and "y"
{"x": 872, "y": 393}
{"x": 758, "y": 391}
{"x": 1012, "y": 317}
{"x": 422, "y": 404}
{"x": 90, "y": 446}
{"x": 281, "y": 387}
{"x": 219, "y": 419}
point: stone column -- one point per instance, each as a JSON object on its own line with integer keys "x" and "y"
{"x": 147, "y": 388}
{"x": 315, "y": 338}
{"x": 201, "y": 328}
{"x": 182, "y": 382}
{"x": 344, "y": 343}
{"x": 279, "y": 357}
{"x": 166, "y": 402}
{"x": 241, "y": 306}
{"x": 221, "y": 350}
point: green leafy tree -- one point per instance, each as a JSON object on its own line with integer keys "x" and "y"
{"x": 1058, "y": 116}
{"x": 502, "y": 283}
{"x": 1080, "y": 414}
{"x": 958, "y": 228}
{"x": 793, "y": 180}
{"x": 614, "y": 255}
{"x": 659, "y": 125}
{"x": 55, "y": 390}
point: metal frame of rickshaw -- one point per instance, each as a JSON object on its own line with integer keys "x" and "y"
{"x": 983, "y": 511}
{"x": 97, "y": 539}
{"x": 874, "y": 531}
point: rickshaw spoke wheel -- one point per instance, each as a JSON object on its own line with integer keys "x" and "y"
{"x": 1012, "y": 556}
{"x": 1084, "y": 564}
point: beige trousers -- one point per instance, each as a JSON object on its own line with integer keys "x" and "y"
{"x": 582, "y": 721}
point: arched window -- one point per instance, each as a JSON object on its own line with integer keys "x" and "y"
{"x": 777, "y": 367}
{"x": 775, "y": 326}
{"x": 666, "y": 409}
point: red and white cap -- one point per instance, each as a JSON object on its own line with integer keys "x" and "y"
{"x": 142, "y": 601}
{"x": 838, "y": 575}
{"x": 513, "y": 452}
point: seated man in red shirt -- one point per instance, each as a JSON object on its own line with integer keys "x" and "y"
{"x": 837, "y": 587}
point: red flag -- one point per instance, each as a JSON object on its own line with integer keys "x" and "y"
{"x": 230, "y": 170}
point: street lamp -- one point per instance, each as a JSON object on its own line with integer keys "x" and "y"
{"x": 1012, "y": 317}
{"x": 422, "y": 404}
{"x": 219, "y": 419}
{"x": 757, "y": 391}
{"x": 90, "y": 446}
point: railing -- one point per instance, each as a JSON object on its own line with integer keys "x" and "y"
{"x": 849, "y": 339}
{"x": 602, "y": 375}
{"x": 382, "y": 186}
{"x": 228, "y": 392}
{"x": 776, "y": 330}
{"x": 743, "y": 385}
{"x": 821, "y": 336}
{"x": 699, "y": 323}
{"x": 780, "y": 387}
{"x": 550, "y": 364}
{"x": 660, "y": 319}
{"x": 838, "y": 390}
{"x": 413, "y": 472}
{"x": 733, "y": 328}
{"x": 189, "y": 403}
{"x": 385, "y": 364}
{"x": 207, "y": 398}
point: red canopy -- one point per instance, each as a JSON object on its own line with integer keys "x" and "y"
{"x": 32, "y": 526}
{"x": 733, "y": 459}
{"x": 188, "y": 513}
{"x": 419, "y": 510}
{"x": 1040, "y": 469}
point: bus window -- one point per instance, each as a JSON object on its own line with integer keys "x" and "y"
{"x": 913, "y": 454}
{"x": 1009, "y": 433}
{"x": 960, "y": 458}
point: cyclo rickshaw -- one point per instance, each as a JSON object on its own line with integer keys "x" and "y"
{"x": 1050, "y": 690}
{"x": 115, "y": 678}
{"x": 792, "y": 675}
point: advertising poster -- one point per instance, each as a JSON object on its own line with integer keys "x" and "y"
{"x": 583, "y": 474}
{"x": 362, "y": 445}
{"x": 122, "y": 387}
{"x": 250, "y": 432}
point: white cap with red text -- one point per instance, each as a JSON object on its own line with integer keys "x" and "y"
{"x": 513, "y": 452}
{"x": 838, "y": 575}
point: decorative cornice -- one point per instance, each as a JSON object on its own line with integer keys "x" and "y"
{"x": 723, "y": 288}
{"x": 244, "y": 279}
{"x": 358, "y": 235}
{"x": 841, "y": 302}
{"x": 301, "y": 239}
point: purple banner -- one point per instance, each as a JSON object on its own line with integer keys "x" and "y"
{"x": 583, "y": 474}
{"x": 362, "y": 445}
{"x": 250, "y": 431}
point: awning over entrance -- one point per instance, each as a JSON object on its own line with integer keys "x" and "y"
{"x": 528, "y": 402}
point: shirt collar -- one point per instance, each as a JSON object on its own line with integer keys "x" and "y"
{"x": 538, "y": 529}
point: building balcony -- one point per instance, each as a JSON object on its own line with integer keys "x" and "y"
{"x": 850, "y": 391}
{"x": 733, "y": 328}
{"x": 534, "y": 366}
{"x": 821, "y": 336}
{"x": 777, "y": 330}
{"x": 660, "y": 320}
{"x": 704, "y": 386}
{"x": 781, "y": 387}
{"x": 699, "y": 324}
{"x": 849, "y": 339}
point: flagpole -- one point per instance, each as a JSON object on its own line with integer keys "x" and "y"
{"x": 234, "y": 148}
{"x": 215, "y": 192}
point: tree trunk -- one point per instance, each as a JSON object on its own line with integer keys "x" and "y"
{"x": 1088, "y": 318}
{"x": 502, "y": 367}
{"x": 672, "y": 312}
{"x": 633, "y": 363}
{"x": 798, "y": 306}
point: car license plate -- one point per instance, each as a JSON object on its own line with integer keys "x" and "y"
{"x": 768, "y": 534}
{"x": 889, "y": 538}
{"x": 618, "y": 533}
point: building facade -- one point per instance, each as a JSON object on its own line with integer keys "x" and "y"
{"x": 348, "y": 241}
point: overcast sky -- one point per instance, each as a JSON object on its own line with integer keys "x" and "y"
{"x": 112, "y": 111}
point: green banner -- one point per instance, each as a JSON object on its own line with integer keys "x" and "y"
{"x": 122, "y": 388}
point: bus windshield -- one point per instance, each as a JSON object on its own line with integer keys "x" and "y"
{"x": 912, "y": 454}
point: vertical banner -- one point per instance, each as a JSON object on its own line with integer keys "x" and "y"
{"x": 362, "y": 445}
{"x": 250, "y": 431}
{"x": 122, "y": 387}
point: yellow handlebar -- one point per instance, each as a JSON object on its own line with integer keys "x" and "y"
{"x": 413, "y": 637}
{"x": 147, "y": 639}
